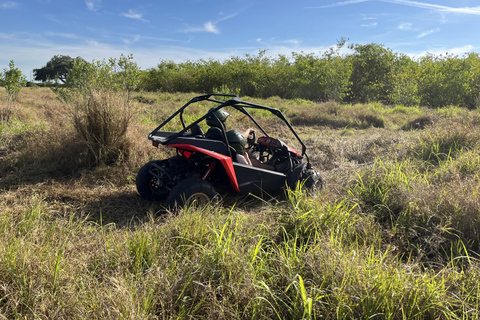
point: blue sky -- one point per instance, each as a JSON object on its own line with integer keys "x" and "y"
{"x": 33, "y": 31}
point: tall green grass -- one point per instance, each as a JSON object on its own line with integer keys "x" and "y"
{"x": 306, "y": 260}
{"x": 394, "y": 235}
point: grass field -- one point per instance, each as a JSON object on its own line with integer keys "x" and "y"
{"x": 395, "y": 234}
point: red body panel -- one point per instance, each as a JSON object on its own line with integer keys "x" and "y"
{"x": 225, "y": 160}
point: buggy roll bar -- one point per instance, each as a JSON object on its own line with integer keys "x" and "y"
{"x": 234, "y": 102}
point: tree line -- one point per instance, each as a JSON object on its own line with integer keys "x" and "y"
{"x": 370, "y": 72}
{"x": 367, "y": 73}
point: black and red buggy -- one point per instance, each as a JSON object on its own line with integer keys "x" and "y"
{"x": 206, "y": 165}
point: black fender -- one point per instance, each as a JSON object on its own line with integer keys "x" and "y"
{"x": 294, "y": 176}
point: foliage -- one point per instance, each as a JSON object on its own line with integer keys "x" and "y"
{"x": 309, "y": 77}
{"x": 321, "y": 79}
{"x": 99, "y": 96}
{"x": 13, "y": 81}
{"x": 448, "y": 80}
{"x": 58, "y": 68}
{"x": 372, "y": 72}
{"x": 367, "y": 73}
{"x": 405, "y": 83}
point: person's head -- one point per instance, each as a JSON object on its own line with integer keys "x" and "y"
{"x": 221, "y": 114}
{"x": 237, "y": 140}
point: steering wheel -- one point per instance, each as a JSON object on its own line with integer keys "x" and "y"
{"x": 251, "y": 139}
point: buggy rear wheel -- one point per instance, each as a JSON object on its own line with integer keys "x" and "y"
{"x": 148, "y": 185}
{"x": 192, "y": 192}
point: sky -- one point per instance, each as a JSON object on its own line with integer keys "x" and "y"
{"x": 33, "y": 31}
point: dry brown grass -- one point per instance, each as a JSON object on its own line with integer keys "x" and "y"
{"x": 48, "y": 148}
{"x": 392, "y": 233}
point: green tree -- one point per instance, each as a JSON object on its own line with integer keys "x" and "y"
{"x": 58, "y": 67}
{"x": 207, "y": 75}
{"x": 405, "y": 82}
{"x": 449, "y": 80}
{"x": 244, "y": 73}
{"x": 321, "y": 78}
{"x": 372, "y": 73}
{"x": 276, "y": 77}
{"x": 13, "y": 81}
{"x": 472, "y": 68}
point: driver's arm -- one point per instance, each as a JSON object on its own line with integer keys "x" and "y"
{"x": 248, "y": 131}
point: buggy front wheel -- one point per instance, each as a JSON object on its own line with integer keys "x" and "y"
{"x": 312, "y": 181}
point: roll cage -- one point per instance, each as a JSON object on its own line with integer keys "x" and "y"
{"x": 157, "y": 136}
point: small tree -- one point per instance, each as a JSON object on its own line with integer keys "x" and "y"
{"x": 13, "y": 81}
{"x": 99, "y": 96}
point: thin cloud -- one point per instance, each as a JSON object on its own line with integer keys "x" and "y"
{"x": 62, "y": 35}
{"x": 210, "y": 27}
{"x": 426, "y": 33}
{"x": 226, "y": 18}
{"x": 157, "y": 39}
{"x": 417, "y": 4}
{"x": 93, "y": 5}
{"x": 274, "y": 42}
{"x": 405, "y": 26}
{"x": 370, "y": 25}
{"x": 133, "y": 15}
{"x": 130, "y": 41}
{"x": 207, "y": 27}
{"x": 8, "y": 5}
{"x": 441, "y": 51}
{"x": 338, "y": 4}
{"x": 464, "y": 10}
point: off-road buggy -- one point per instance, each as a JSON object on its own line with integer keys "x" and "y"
{"x": 205, "y": 165}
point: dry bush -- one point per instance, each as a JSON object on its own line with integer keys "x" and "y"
{"x": 5, "y": 107}
{"x": 142, "y": 150}
{"x": 419, "y": 123}
{"x": 98, "y": 94}
{"x": 102, "y": 120}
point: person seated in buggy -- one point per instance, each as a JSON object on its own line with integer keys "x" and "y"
{"x": 235, "y": 138}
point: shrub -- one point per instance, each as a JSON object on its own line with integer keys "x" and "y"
{"x": 13, "y": 81}
{"x": 103, "y": 127}
{"x": 99, "y": 97}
